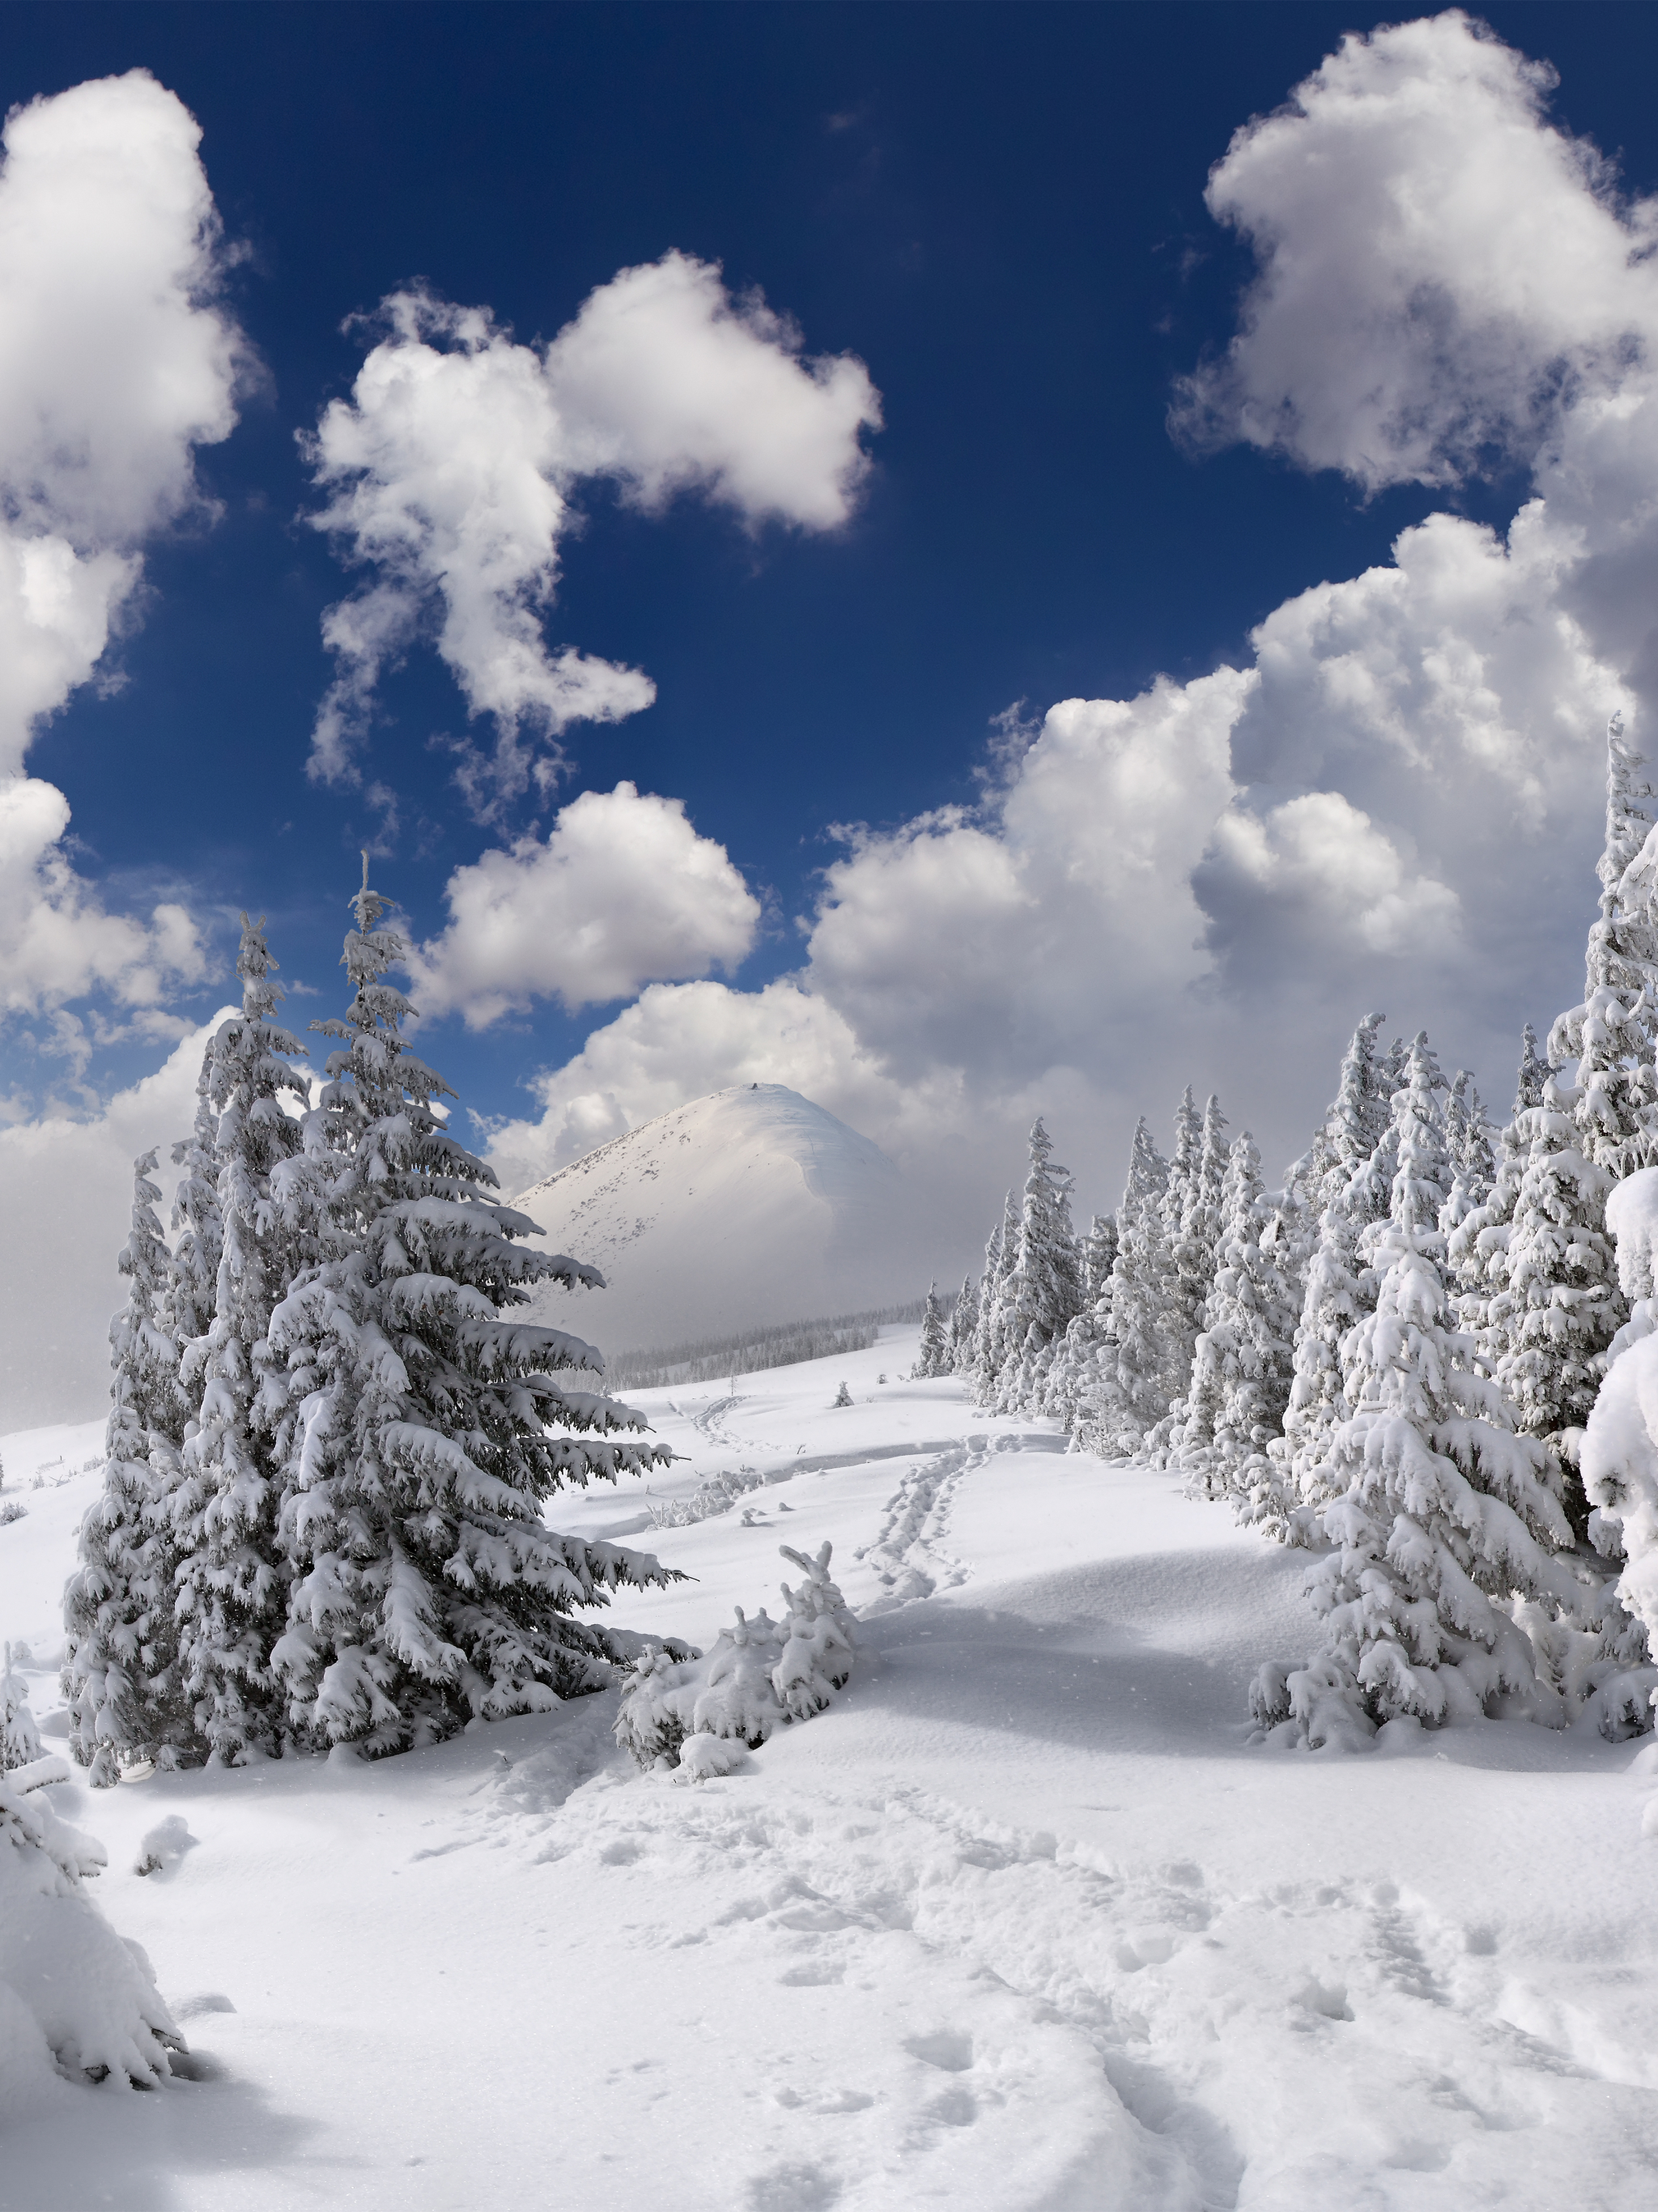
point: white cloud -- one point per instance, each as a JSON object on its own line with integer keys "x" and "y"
{"x": 449, "y": 474}
{"x": 59, "y": 941}
{"x": 1325, "y": 867}
{"x": 65, "y": 1196}
{"x": 623, "y": 892}
{"x": 1438, "y": 266}
{"x": 115, "y": 363}
{"x": 669, "y": 384}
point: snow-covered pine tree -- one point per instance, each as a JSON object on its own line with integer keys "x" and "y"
{"x": 1478, "y": 1239}
{"x": 1129, "y": 1393}
{"x": 1446, "y": 1514}
{"x": 990, "y": 1344}
{"x": 193, "y": 1285}
{"x": 422, "y": 1426}
{"x": 1609, "y": 1038}
{"x": 1045, "y": 1288}
{"x": 225, "y": 1508}
{"x": 20, "y": 1738}
{"x": 1343, "y": 1191}
{"x": 1557, "y": 1306}
{"x": 1242, "y": 1368}
{"x": 1193, "y": 1236}
{"x": 1534, "y": 1072}
{"x": 1076, "y": 1360}
{"x": 964, "y": 1328}
{"x": 120, "y": 1677}
{"x": 933, "y": 1357}
{"x": 1099, "y": 1256}
{"x": 1468, "y": 1144}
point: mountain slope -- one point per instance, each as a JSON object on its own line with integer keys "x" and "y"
{"x": 748, "y": 1206}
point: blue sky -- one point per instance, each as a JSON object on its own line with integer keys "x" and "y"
{"x": 1000, "y": 212}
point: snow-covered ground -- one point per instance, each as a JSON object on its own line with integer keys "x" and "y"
{"x": 1023, "y": 1921}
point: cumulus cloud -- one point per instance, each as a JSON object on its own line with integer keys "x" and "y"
{"x": 1395, "y": 803}
{"x": 1439, "y": 267}
{"x": 669, "y": 385}
{"x": 66, "y": 1189}
{"x": 59, "y": 941}
{"x": 450, "y": 470}
{"x": 116, "y": 362}
{"x": 623, "y": 892}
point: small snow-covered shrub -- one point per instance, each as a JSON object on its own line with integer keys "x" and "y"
{"x": 715, "y": 1495}
{"x": 19, "y": 1739}
{"x": 842, "y": 1396}
{"x": 73, "y": 1996}
{"x": 761, "y": 1675}
{"x": 10, "y": 1509}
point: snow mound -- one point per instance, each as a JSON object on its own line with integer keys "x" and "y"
{"x": 75, "y": 1999}
{"x": 749, "y": 1206}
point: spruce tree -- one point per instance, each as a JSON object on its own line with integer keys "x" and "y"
{"x": 964, "y": 1328}
{"x": 1045, "y": 1289}
{"x": 933, "y": 1357}
{"x": 422, "y": 1425}
{"x": 1445, "y": 1514}
{"x": 1099, "y": 1256}
{"x": 1554, "y": 1305}
{"x": 1076, "y": 1360}
{"x": 1468, "y": 1144}
{"x": 1609, "y": 1038}
{"x": 1345, "y": 1192}
{"x": 120, "y": 1671}
{"x": 194, "y": 1282}
{"x": 1129, "y": 1393}
{"x": 231, "y": 1580}
{"x": 995, "y": 1321}
{"x": 1241, "y": 1371}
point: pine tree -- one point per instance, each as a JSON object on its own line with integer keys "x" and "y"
{"x": 421, "y": 1427}
{"x": 194, "y": 1282}
{"x": 231, "y": 1583}
{"x": 1044, "y": 1290}
{"x": 1446, "y": 1514}
{"x": 1357, "y": 1132}
{"x": 990, "y": 1343}
{"x": 933, "y": 1357}
{"x": 1556, "y": 1306}
{"x": 1610, "y": 1037}
{"x": 20, "y": 1737}
{"x": 1129, "y": 1394}
{"x": 120, "y": 1677}
{"x": 964, "y": 1328}
{"x": 1076, "y": 1360}
{"x": 1241, "y": 1371}
{"x": 1195, "y": 1238}
{"x": 1099, "y": 1256}
{"x": 1468, "y": 1143}
{"x": 1478, "y": 1239}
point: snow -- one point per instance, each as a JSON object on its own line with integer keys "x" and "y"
{"x": 750, "y": 1206}
{"x": 1021, "y": 1920}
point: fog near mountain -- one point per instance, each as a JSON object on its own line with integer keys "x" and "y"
{"x": 745, "y": 1207}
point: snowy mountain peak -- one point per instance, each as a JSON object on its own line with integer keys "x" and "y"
{"x": 751, "y": 1205}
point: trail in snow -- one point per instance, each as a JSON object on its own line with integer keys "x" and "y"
{"x": 907, "y": 1557}
{"x": 1021, "y": 1923}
